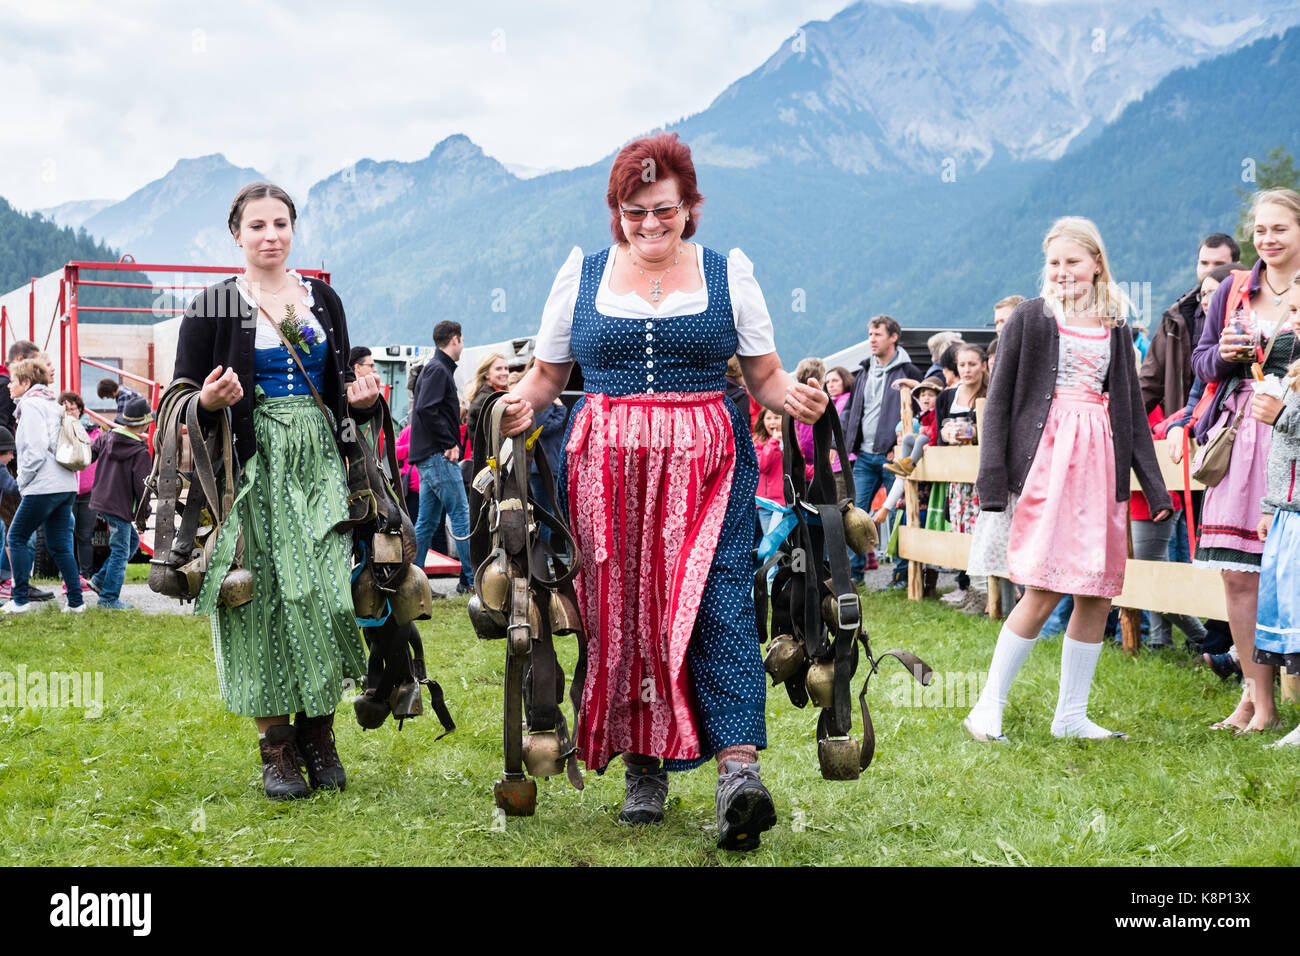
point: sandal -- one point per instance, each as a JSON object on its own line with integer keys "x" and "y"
{"x": 1227, "y": 724}
{"x": 1274, "y": 724}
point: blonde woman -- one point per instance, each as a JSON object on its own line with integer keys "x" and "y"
{"x": 490, "y": 376}
{"x": 1063, "y": 425}
{"x": 49, "y": 490}
{"x": 1250, "y": 311}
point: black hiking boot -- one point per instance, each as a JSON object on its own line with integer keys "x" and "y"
{"x": 315, "y": 738}
{"x": 280, "y": 774}
{"x": 647, "y": 786}
{"x": 744, "y": 807}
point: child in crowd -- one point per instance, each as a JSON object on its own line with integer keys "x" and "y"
{"x": 1063, "y": 426}
{"x": 1277, "y": 623}
{"x": 906, "y": 456}
{"x": 123, "y": 464}
{"x": 955, "y": 413}
{"x": 767, "y": 443}
{"x": 83, "y": 533}
{"x": 912, "y": 446}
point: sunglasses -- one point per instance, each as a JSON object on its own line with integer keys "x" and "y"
{"x": 662, "y": 213}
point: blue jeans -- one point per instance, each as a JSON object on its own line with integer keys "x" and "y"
{"x": 1178, "y": 550}
{"x": 1060, "y": 617}
{"x": 868, "y": 477}
{"x": 122, "y": 544}
{"x": 55, "y": 512}
{"x": 442, "y": 492}
{"x": 543, "y": 498}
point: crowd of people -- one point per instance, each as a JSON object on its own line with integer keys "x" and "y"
{"x": 1077, "y": 393}
{"x": 675, "y": 342}
{"x": 41, "y": 493}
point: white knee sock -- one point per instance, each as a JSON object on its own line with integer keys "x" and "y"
{"x": 1008, "y": 656}
{"x": 1078, "y": 662}
{"x": 1290, "y": 740}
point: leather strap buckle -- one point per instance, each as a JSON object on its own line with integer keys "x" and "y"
{"x": 848, "y": 612}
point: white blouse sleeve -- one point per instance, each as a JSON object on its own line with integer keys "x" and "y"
{"x": 753, "y": 322}
{"x": 557, "y": 315}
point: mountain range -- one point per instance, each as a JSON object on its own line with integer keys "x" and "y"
{"x": 902, "y": 158}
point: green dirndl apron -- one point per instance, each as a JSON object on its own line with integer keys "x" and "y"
{"x": 290, "y": 648}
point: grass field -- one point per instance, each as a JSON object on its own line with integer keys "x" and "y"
{"x": 165, "y": 776}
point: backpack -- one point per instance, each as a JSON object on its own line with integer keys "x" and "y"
{"x": 73, "y": 449}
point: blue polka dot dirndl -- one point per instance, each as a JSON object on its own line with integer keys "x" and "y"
{"x": 659, "y": 476}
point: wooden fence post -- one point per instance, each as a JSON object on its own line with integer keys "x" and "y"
{"x": 1291, "y": 688}
{"x": 1130, "y": 619}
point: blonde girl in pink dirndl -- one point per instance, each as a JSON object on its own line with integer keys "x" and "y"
{"x": 1063, "y": 425}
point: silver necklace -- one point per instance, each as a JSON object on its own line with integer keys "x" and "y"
{"x": 657, "y": 285}
{"x": 1277, "y": 296}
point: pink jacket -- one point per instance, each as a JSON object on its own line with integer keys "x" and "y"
{"x": 771, "y": 480}
{"x": 86, "y": 477}
{"x": 410, "y": 477}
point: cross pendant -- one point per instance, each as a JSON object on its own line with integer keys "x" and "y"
{"x": 656, "y": 289}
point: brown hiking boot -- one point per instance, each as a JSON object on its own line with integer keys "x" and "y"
{"x": 315, "y": 736}
{"x": 280, "y": 774}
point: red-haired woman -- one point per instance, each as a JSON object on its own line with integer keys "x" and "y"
{"x": 659, "y": 479}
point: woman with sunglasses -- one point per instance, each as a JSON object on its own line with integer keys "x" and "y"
{"x": 659, "y": 476}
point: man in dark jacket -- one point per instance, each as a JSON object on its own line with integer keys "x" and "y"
{"x": 1166, "y": 375}
{"x": 872, "y": 412}
{"x": 435, "y": 449}
{"x": 122, "y": 465}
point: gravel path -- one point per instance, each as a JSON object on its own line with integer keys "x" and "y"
{"x": 142, "y": 599}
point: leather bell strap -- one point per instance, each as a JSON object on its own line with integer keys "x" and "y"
{"x": 919, "y": 670}
{"x": 436, "y": 698}
{"x": 514, "y": 538}
{"x": 542, "y": 697}
{"x": 848, "y": 611}
{"x": 511, "y": 489}
{"x": 178, "y": 409}
{"x": 805, "y": 591}
{"x": 827, "y": 433}
{"x": 221, "y": 504}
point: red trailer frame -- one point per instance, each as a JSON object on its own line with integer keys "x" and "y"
{"x": 67, "y": 315}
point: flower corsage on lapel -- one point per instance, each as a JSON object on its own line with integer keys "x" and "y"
{"x": 297, "y": 331}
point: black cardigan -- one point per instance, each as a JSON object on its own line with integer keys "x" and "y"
{"x": 219, "y": 329}
{"x": 1020, "y": 396}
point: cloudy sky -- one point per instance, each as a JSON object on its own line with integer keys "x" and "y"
{"x": 99, "y": 99}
